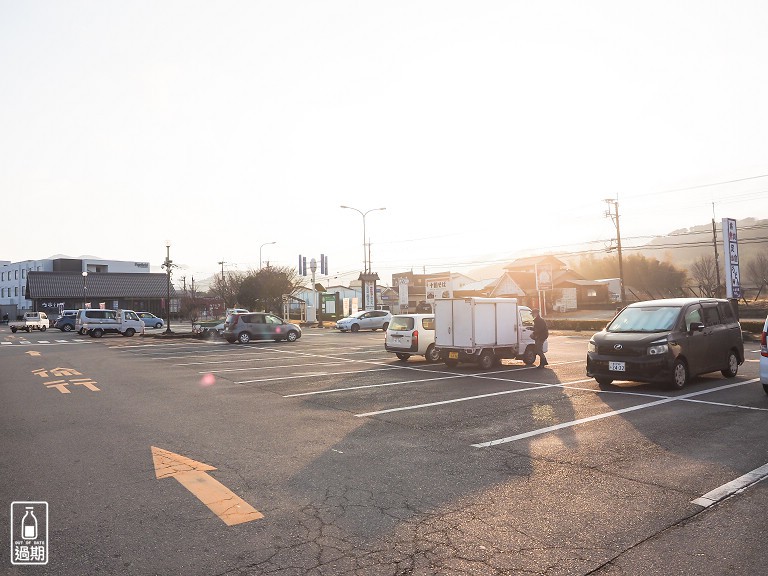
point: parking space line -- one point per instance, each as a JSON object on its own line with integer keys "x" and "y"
{"x": 733, "y": 487}
{"x": 538, "y": 386}
{"x": 254, "y": 368}
{"x": 573, "y": 423}
{"x": 297, "y": 376}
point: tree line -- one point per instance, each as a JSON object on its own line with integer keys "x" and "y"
{"x": 662, "y": 279}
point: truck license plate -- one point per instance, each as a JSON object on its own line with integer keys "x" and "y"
{"x": 617, "y": 366}
{"x": 453, "y": 355}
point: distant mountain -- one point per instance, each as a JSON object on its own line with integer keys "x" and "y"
{"x": 680, "y": 247}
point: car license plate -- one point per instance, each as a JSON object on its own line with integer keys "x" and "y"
{"x": 453, "y": 355}
{"x": 617, "y": 366}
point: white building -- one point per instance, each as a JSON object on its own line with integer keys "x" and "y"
{"x": 13, "y": 276}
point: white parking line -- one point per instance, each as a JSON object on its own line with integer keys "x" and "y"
{"x": 733, "y": 487}
{"x": 296, "y": 376}
{"x": 607, "y": 415}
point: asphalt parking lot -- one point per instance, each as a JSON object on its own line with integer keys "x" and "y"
{"x": 360, "y": 463}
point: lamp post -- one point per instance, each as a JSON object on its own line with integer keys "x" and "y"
{"x": 85, "y": 279}
{"x": 168, "y": 264}
{"x": 262, "y": 246}
{"x": 363, "y": 214}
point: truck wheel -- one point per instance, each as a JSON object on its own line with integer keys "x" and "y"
{"x": 486, "y": 361}
{"x": 43, "y": 328}
{"x": 402, "y": 356}
{"x": 130, "y": 332}
{"x": 13, "y": 329}
{"x": 28, "y": 329}
{"x": 529, "y": 356}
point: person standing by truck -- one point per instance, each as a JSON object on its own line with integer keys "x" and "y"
{"x": 540, "y": 335}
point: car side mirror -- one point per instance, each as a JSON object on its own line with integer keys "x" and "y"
{"x": 697, "y": 327}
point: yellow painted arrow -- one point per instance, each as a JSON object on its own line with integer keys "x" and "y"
{"x": 193, "y": 475}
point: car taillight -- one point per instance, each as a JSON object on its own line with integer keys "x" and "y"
{"x": 764, "y": 345}
{"x": 415, "y": 339}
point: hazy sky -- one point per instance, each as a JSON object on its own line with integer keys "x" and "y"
{"x": 486, "y": 129}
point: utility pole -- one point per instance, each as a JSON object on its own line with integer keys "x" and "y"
{"x": 614, "y": 215}
{"x": 717, "y": 258}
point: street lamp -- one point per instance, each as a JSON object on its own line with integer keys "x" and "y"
{"x": 363, "y": 214}
{"x": 168, "y": 264}
{"x": 85, "y": 278}
{"x": 262, "y": 246}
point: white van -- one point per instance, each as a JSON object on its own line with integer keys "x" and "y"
{"x": 93, "y": 316}
{"x": 125, "y": 322}
{"x": 412, "y": 335}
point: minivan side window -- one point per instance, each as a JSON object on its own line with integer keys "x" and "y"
{"x": 726, "y": 312}
{"x": 693, "y": 315}
{"x": 711, "y": 317}
{"x": 428, "y": 323}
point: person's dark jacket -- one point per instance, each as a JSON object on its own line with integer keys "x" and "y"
{"x": 540, "y": 329}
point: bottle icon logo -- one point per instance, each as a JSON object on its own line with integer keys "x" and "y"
{"x": 29, "y": 524}
{"x": 29, "y": 533}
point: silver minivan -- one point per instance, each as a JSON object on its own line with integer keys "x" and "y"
{"x": 93, "y": 316}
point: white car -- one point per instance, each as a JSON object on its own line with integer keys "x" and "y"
{"x": 412, "y": 335}
{"x": 365, "y": 320}
{"x": 764, "y": 357}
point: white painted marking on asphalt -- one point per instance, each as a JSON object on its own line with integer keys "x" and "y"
{"x": 255, "y": 368}
{"x": 733, "y": 487}
{"x": 607, "y": 415}
{"x": 538, "y": 386}
{"x": 311, "y": 375}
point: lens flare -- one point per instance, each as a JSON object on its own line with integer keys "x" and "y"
{"x": 208, "y": 380}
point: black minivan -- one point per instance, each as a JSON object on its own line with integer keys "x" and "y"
{"x": 667, "y": 341}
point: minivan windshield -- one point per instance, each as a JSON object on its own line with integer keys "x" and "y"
{"x": 645, "y": 319}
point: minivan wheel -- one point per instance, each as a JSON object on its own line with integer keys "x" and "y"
{"x": 244, "y": 338}
{"x": 680, "y": 374}
{"x": 97, "y": 333}
{"x": 402, "y": 356}
{"x": 130, "y": 332}
{"x": 765, "y": 388}
{"x": 292, "y": 336}
{"x": 433, "y": 354}
{"x": 604, "y": 381}
{"x": 733, "y": 365}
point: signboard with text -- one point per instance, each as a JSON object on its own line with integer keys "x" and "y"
{"x": 731, "y": 257}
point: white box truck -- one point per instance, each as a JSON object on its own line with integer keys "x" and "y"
{"x": 483, "y": 331}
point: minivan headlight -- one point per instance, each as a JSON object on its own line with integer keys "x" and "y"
{"x": 658, "y": 349}
{"x": 591, "y": 347}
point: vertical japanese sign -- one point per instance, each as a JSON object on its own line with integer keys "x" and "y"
{"x": 29, "y": 533}
{"x": 731, "y": 256}
{"x": 370, "y": 295}
{"x": 403, "y": 294}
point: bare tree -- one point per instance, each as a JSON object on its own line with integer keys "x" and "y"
{"x": 704, "y": 274}
{"x": 757, "y": 271}
{"x": 227, "y": 287}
